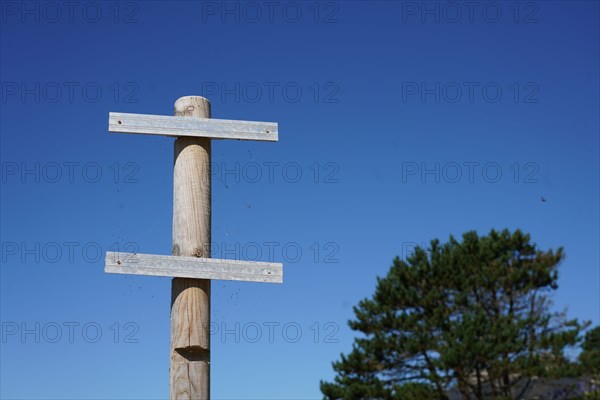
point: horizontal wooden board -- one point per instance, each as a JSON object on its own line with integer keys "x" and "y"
{"x": 193, "y": 267}
{"x": 190, "y": 126}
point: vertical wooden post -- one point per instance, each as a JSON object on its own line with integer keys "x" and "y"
{"x": 190, "y": 298}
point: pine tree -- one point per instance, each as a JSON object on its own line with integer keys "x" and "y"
{"x": 472, "y": 316}
{"x": 589, "y": 358}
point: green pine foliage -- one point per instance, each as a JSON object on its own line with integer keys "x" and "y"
{"x": 471, "y": 316}
{"x": 589, "y": 358}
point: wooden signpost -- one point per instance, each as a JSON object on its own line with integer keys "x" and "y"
{"x": 190, "y": 263}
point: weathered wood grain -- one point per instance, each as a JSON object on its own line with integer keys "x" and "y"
{"x": 192, "y": 267}
{"x": 189, "y": 377}
{"x": 195, "y": 126}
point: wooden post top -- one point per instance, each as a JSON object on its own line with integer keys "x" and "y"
{"x": 192, "y": 106}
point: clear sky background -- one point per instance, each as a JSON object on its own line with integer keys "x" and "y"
{"x": 397, "y": 124}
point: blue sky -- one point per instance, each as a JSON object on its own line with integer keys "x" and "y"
{"x": 399, "y": 122}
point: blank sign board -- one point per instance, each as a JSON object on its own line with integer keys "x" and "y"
{"x": 195, "y": 127}
{"x": 193, "y": 267}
